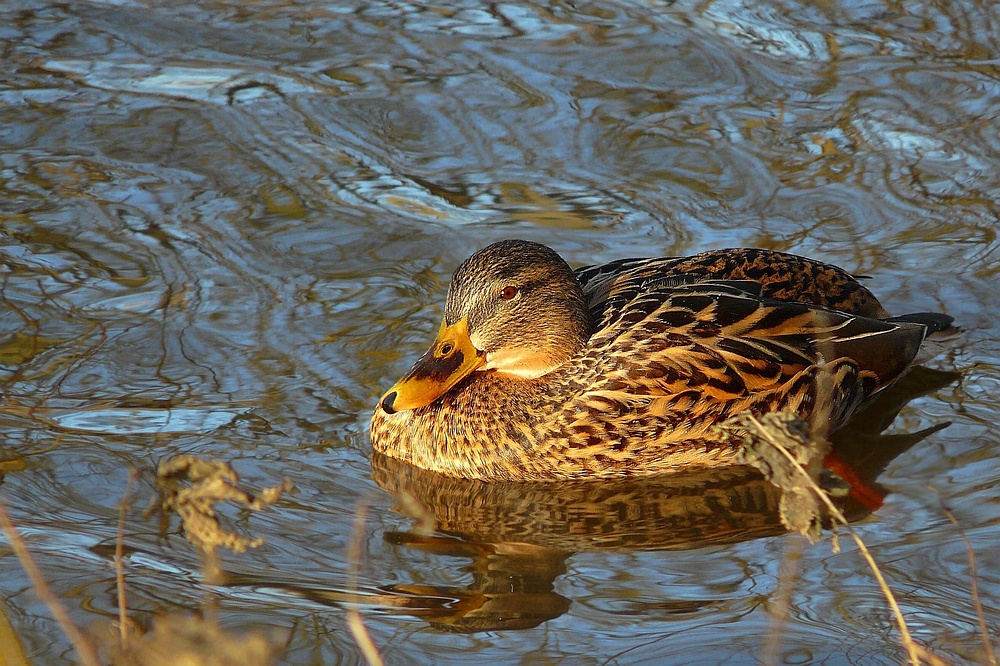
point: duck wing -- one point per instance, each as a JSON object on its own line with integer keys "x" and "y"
{"x": 782, "y": 276}
{"x": 672, "y": 361}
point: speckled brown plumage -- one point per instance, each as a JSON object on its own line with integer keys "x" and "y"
{"x": 670, "y": 348}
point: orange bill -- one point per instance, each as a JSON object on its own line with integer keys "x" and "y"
{"x": 451, "y": 358}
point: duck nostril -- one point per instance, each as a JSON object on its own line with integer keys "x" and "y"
{"x": 387, "y": 403}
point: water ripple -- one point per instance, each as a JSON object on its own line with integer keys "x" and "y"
{"x": 226, "y": 227}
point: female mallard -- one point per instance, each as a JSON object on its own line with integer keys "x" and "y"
{"x": 541, "y": 373}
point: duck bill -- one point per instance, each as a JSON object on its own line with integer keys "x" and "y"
{"x": 451, "y": 358}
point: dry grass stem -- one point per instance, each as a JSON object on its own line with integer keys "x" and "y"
{"x": 787, "y": 576}
{"x": 84, "y": 649}
{"x": 760, "y": 431}
{"x": 424, "y": 522}
{"x": 354, "y": 621}
{"x": 124, "y": 623}
{"x": 991, "y": 657}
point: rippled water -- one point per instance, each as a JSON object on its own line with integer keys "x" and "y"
{"x": 226, "y": 226}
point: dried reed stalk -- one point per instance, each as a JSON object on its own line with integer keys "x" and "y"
{"x": 790, "y": 564}
{"x": 84, "y": 649}
{"x": 991, "y": 657}
{"x": 354, "y": 621}
{"x": 124, "y": 622}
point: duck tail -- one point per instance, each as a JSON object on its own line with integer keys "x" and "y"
{"x": 940, "y": 333}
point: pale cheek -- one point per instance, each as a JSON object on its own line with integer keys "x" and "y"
{"x": 476, "y": 340}
{"x": 516, "y": 362}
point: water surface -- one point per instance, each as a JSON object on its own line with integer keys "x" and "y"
{"x": 225, "y": 228}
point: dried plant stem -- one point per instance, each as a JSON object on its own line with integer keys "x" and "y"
{"x": 354, "y": 621}
{"x": 913, "y": 650}
{"x": 124, "y": 623}
{"x": 83, "y": 647}
{"x": 991, "y": 657}
{"x": 790, "y": 564}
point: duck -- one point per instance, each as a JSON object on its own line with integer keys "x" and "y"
{"x": 543, "y": 373}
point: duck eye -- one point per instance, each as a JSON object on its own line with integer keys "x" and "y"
{"x": 509, "y": 292}
{"x": 446, "y": 349}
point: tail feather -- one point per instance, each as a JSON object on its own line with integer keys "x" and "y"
{"x": 940, "y": 331}
{"x": 934, "y": 321}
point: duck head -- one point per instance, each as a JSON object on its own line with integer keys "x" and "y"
{"x": 513, "y": 307}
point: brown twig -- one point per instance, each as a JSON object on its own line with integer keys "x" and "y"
{"x": 354, "y": 621}
{"x": 84, "y": 649}
{"x": 790, "y": 564}
{"x": 124, "y": 623}
{"x": 991, "y": 657}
